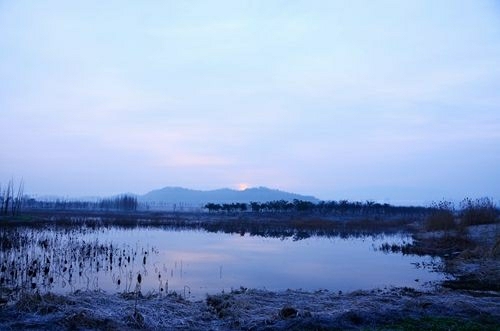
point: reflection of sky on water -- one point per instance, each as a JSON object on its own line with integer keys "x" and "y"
{"x": 212, "y": 262}
{"x": 202, "y": 262}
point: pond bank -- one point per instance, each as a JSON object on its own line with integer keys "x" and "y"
{"x": 471, "y": 255}
{"x": 398, "y": 308}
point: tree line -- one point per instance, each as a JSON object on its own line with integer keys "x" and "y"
{"x": 341, "y": 207}
{"x": 120, "y": 203}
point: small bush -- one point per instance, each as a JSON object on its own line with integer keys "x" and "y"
{"x": 479, "y": 211}
{"x": 441, "y": 218}
{"x": 288, "y": 312}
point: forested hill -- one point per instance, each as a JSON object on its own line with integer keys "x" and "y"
{"x": 176, "y": 195}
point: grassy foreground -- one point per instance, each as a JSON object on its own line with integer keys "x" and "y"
{"x": 394, "y": 309}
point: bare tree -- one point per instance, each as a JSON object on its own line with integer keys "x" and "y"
{"x": 7, "y": 197}
{"x": 9, "y": 201}
{"x": 17, "y": 202}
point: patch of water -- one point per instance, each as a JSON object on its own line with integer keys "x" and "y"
{"x": 194, "y": 263}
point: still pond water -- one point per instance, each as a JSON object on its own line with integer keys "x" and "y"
{"x": 194, "y": 263}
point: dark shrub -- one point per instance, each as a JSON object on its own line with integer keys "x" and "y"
{"x": 441, "y": 218}
{"x": 479, "y": 211}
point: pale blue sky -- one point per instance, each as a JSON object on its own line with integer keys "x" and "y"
{"x": 384, "y": 100}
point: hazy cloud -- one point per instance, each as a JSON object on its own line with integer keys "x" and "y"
{"x": 327, "y": 98}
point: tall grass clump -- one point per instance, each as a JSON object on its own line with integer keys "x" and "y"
{"x": 442, "y": 217}
{"x": 479, "y": 211}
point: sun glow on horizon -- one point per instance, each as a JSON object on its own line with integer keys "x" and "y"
{"x": 242, "y": 186}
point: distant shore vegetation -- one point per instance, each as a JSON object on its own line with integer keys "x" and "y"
{"x": 119, "y": 203}
{"x": 13, "y": 201}
{"x": 442, "y": 215}
{"x": 341, "y": 207}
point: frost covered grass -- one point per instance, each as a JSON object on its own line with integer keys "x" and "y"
{"x": 395, "y": 309}
{"x": 91, "y": 310}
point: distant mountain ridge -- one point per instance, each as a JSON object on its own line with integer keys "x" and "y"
{"x": 179, "y": 195}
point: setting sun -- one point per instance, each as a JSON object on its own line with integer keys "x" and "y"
{"x": 242, "y": 186}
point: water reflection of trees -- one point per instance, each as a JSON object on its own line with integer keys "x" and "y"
{"x": 67, "y": 254}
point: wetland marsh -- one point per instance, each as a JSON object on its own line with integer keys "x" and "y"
{"x": 240, "y": 272}
{"x": 196, "y": 262}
